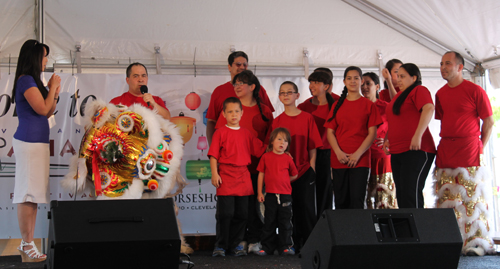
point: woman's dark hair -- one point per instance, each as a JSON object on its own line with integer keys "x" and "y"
{"x": 375, "y": 79}
{"x": 30, "y": 64}
{"x": 274, "y": 134}
{"x": 344, "y": 91}
{"x": 390, "y": 65}
{"x": 321, "y": 76}
{"x": 249, "y": 78}
{"x": 412, "y": 70}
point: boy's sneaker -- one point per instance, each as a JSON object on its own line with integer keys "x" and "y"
{"x": 288, "y": 251}
{"x": 261, "y": 252}
{"x": 254, "y": 247}
{"x": 218, "y": 252}
{"x": 239, "y": 251}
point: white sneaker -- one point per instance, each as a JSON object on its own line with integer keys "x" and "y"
{"x": 254, "y": 247}
{"x": 474, "y": 251}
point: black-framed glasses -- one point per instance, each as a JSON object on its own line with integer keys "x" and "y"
{"x": 238, "y": 84}
{"x": 286, "y": 93}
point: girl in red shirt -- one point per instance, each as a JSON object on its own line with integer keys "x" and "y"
{"x": 319, "y": 106}
{"x": 408, "y": 138}
{"x": 390, "y": 74}
{"x": 381, "y": 193}
{"x": 352, "y": 127}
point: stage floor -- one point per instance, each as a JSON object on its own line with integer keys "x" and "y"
{"x": 204, "y": 259}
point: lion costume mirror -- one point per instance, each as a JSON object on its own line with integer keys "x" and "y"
{"x": 127, "y": 153}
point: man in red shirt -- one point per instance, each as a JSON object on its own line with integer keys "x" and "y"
{"x": 237, "y": 62}
{"x": 137, "y": 76}
{"x": 461, "y": 177}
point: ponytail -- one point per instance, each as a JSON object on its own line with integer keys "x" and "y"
{"x": 401, "y": 99}
{"x": 339, "y": 103}
{"x": 413, "y": 71}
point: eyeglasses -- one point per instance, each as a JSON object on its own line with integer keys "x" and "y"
{"x": 286, "y": 93}
{"x": 240, "y": 64}
{"x": 238, "y": 84}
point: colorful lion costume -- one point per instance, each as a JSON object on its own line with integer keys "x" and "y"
{"x": 136, "y": 152}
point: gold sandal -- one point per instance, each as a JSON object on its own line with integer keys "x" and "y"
{"x": 32, "y": 254}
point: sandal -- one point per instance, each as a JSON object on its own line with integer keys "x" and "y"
{"x": 32, "y": 254}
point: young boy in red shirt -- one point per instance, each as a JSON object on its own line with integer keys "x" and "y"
{"x": 230, "y": 152}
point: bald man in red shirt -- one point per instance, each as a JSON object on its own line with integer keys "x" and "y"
{"x": 460, "y": 105}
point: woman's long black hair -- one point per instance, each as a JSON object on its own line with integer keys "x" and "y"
{"x": 412, "y": 70}
{"x": 249, "y": 78}
{"x": 320, "y": 76}
{"x": 30, "y": 64}
{"x": 344, "y": 92}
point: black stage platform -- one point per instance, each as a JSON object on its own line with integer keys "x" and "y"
{"x": 204, "y": 259}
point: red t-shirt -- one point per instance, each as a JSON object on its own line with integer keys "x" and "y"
{"x": 305, "y": 137}
{"x": 335, "y": 96}
{"x": 350, "y": 127}
{"x": 129, "y": 99}
{"x": 459, "y": 110}
{"x": 226, "y": 90}
{"x": 277, "y": 169}
{"x": 402, "y": 127}
{"x": 232, "y": 149}
{"x": 319, "y": 113}
{"x": 377, "y": 151}
{"x": 252, "y": 120}
{"x": 384, "y": 94}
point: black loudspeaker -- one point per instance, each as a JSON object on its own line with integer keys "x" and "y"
{"x": 384, "y": 238}
{"x": 113, "y": 234}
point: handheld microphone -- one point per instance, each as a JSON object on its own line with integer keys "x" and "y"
{"x": 144, "y": 89}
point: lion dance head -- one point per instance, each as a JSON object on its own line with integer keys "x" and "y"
{"x": 128, "y": 153}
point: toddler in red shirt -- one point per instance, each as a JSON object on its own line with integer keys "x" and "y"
{"x": 230, "y": 153}
{"x": 278, "y": 170}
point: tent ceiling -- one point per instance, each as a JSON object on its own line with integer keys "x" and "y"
{"x": 469, "y": 27}
{"x": 271, "y": 32}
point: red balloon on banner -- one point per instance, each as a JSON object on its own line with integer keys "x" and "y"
{"x": 193, "y": 101}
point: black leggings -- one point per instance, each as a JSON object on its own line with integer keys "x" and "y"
{"x": 410, "y": 170}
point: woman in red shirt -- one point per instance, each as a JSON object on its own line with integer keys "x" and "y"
{"x": 381, "y": 193}
{"x": 408, "y": 139}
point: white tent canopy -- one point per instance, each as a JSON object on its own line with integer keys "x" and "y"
{"x": 273, "y": 33}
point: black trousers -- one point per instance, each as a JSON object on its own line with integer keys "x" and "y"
{"x": 304, "y": 207}
{"x": 231, "y": 216}
{"x": 349, "y": 187}
{"x": 254, "y": 224}
{"x": 278, "y": 214}
{"x": 410, "y": 170}
{"x": 324, "y": 184}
